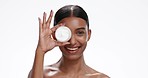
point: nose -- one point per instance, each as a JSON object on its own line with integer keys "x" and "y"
{"x": 72, "y": 40}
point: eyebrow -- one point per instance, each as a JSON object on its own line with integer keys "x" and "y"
{"x": 82, "y": 28}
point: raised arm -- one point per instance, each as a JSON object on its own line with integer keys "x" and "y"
{"x": 45, "y": 44}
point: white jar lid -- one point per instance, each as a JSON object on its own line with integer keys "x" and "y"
{"x": 63, "y": 34}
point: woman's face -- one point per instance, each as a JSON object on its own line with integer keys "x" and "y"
{"x": 80, "y": 36}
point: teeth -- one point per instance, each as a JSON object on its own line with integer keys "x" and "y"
{"x": 72, "y": 48}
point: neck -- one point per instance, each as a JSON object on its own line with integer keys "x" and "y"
{"x": 72, "y": 66}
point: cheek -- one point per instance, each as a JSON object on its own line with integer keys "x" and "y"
{"x": 82, "y": 40}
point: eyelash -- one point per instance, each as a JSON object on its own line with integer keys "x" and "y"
{"x": 80, "y": 33}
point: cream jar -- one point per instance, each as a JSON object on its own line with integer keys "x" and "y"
{"x": 63, "y": 34}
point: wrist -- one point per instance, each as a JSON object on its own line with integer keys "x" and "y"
{"x": 39, "y": 50}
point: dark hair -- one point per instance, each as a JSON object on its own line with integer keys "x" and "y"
{"x": 68, "y": 11}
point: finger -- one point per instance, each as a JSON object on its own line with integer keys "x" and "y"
{"x": 49, "y": 18}
{"x": 40, "y": 25}
{"x": 53, "y": 29}
{"x": 44, "y": 20}
{"x": 50, "y": 32}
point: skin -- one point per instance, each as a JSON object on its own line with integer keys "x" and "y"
{"x": 71, "y": 64}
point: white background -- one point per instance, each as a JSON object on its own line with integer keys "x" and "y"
{"x": 118, "y": 46}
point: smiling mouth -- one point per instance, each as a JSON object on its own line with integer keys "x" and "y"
{"x": 72, "y": 49}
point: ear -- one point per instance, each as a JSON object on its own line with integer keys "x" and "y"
{"x": 89, "y": 34}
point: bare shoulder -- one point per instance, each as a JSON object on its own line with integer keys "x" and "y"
{"x": 103, "y": 76}
{"x": 50, "y": 70}
{"x": 95, "y": 74}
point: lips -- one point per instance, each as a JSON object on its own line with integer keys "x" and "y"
{"x": 72, "y": 49}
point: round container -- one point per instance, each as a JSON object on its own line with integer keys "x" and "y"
{"x": 63, "y": 34}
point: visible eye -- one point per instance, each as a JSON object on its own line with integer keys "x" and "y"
{"x": 80, "y": 33}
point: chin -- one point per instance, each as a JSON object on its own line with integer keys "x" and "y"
{"x": 72, "y": 57}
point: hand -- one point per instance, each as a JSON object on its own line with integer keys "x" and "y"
{"x": 46, "y": 41}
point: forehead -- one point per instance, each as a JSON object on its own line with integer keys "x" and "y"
{"x": 74, "y": 22}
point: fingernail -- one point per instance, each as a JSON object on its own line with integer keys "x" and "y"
{"x": 44, "y": 13}
{"x": 62, "y": 24}
{"x": 51, "y": 12}
{"x": 39, "y": 18}
{"x": 68, "y": 42}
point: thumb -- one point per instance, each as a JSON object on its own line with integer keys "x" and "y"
{"x": 61, "y": 43}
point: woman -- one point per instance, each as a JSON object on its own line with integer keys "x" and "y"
{"x": 71, "y": 64}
